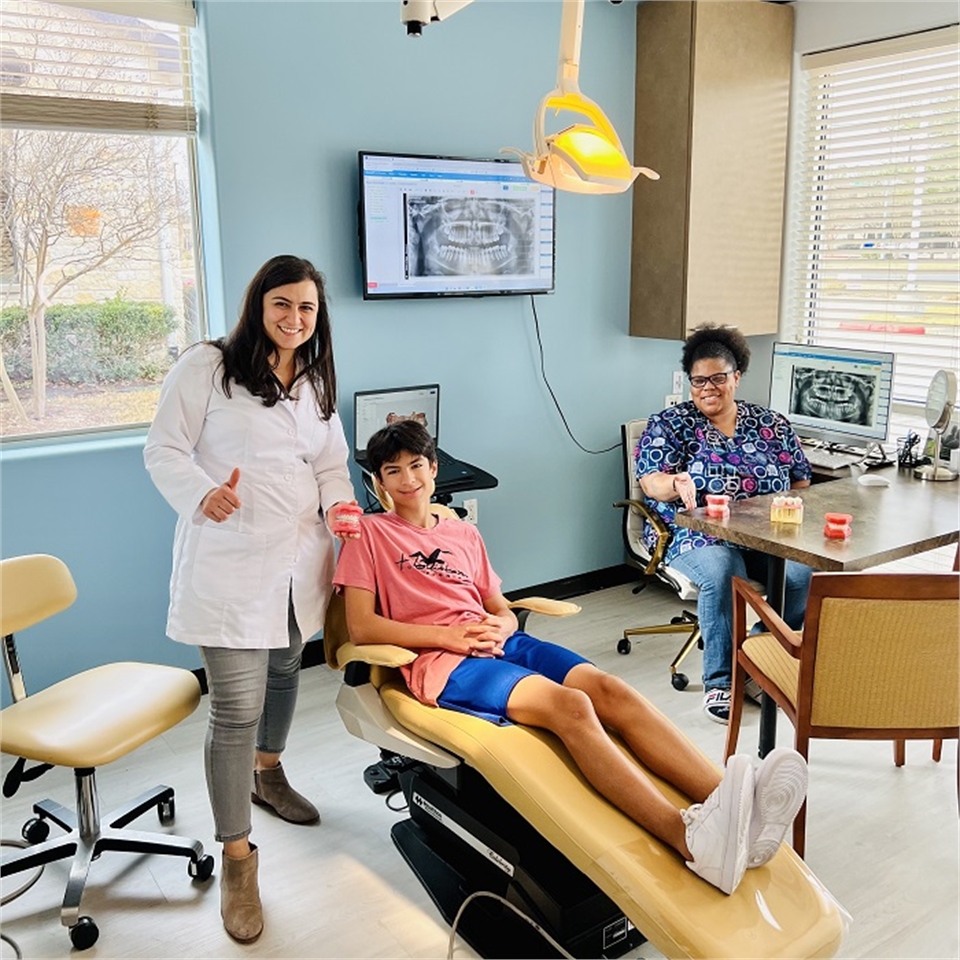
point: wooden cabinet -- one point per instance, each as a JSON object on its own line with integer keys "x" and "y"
{"x": 712, "y": 104}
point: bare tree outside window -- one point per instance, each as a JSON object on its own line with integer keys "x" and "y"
{"x": 98, "y": 292}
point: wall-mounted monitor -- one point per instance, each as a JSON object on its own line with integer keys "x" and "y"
{"x": 453, "y": 227}
{"x": 835, "y": 394}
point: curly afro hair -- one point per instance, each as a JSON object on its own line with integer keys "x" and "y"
{"x": 710, "y": 341}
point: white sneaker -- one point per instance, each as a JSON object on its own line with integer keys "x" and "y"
{"x": 716, "y": 705}
{"x": 718, "y": 828}
{"x": 780, "y": 789}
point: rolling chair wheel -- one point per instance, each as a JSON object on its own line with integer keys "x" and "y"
{"x": 201, "y": 869}
{"x": 35, "y": 830}
{"x": 167, "y": 810}
{"x": 84, "y": 933}
{"x": 679, "y": 681}
{"x": 623, "y": 645}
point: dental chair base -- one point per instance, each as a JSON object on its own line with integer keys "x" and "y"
{"x": 461, "y": 837}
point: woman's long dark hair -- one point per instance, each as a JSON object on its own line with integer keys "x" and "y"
{"x": 247, "y": 349}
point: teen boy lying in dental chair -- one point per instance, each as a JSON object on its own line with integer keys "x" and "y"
{"x": 424, "y": 583}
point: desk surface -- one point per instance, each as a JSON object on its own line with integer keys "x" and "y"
{"x": 889, "y": 523}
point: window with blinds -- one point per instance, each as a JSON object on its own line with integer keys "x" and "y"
{"x": 100, "y": 287}
{"x": 875, "y": 245}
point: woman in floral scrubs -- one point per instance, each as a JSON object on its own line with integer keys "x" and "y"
{"x": 715, "y": 443}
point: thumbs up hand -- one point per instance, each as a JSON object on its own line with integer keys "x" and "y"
{"x": 220, "y": 502}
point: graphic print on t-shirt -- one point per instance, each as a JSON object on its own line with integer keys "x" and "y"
{"x": 432, "y": 565}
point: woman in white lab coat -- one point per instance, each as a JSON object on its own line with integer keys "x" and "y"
{"x": 247, "y": 447}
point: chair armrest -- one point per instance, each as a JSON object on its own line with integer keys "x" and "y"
{"x": 377, "y": 654}
{"x": 655, "y": 521}
{"x": 743, "y": 594}
{"x": 549, "y": 608}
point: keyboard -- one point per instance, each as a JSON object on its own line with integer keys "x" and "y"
{"x": 831, "y": 459}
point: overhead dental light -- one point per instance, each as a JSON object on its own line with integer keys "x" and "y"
{"x": 580, "y": 158}
{"x": 584, "y": 157}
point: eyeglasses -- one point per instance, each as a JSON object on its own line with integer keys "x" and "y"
{"x": 718, "y": 380}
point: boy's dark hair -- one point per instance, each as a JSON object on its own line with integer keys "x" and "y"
{"x": 403, "y": 436}
{"x": 709, "y": 341}
{"x": 247, "y": 348}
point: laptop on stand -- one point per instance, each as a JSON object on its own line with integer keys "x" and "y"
{"x": 373, "y": 409}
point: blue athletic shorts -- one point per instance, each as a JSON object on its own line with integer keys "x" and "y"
{"x": 482, "y": 685}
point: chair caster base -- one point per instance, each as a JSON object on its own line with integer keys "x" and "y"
{"x": 84, "y": 933}
{"x": 624, "y": 646}
{"x": 679, "y": 681}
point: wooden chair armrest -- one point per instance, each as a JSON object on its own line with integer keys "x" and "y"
{"x": 549, "y": 608}
{"x": 655, "y": 521}
{"x": 744, "y": 594}
{"x": 378, "y": 654}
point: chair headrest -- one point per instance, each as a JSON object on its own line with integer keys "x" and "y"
{"x": 33, "y": 588}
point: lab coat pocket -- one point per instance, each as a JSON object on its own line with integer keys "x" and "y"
{"x": 228, "y": 565}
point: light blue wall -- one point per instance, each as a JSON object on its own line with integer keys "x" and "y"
{"x": 295, "y": 90}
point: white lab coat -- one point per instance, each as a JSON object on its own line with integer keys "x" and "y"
{"x": 231, "y": 581}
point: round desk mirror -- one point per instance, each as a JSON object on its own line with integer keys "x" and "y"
{"x": 941, "y": 399}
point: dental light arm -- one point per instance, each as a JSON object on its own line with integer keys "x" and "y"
{"x": 581, "y": 158}
{"x": 416, "y": 13}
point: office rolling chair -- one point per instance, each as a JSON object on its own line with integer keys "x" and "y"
{"x": 84, "y": 722}
{"x": 877, "y": 660}
{"x": 651, "y": 565}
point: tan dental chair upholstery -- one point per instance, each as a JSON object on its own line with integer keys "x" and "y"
{"x": 779, "y": 910}
{"x": 84, "y": 722}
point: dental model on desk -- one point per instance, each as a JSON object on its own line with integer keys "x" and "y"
{"x": 786, "y": 510}
{"x": 718, "y": 505}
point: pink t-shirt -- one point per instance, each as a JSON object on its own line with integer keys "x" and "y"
{"x": 439, "y": 577}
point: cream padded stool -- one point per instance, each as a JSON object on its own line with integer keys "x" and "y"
{"x": 84, "y": 722}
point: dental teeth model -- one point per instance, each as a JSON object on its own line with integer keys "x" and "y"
{"x": 786, "y": 510}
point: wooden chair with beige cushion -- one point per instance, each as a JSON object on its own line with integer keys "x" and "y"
{"x": 85, "y": 721}
{"x": 877, "y": 660}
{"x": 474, "y": 787}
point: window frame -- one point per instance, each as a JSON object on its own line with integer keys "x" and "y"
{"x": 124, "y": 118}
{"x": 800, "y": 319}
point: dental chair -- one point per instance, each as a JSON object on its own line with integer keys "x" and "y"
{"x": 504, "y": 811}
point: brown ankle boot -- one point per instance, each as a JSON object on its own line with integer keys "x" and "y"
{"x": 270, "y": 789}
{"x": 240, "y": 897}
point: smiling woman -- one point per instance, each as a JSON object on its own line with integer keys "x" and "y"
{"x": 715, "y": 445}
{"x": 247, "y": 447}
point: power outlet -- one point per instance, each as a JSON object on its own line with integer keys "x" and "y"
{"x": 471, "y": 507}
{"x": 672, "y": 399}
{"x": 677, "y": 381}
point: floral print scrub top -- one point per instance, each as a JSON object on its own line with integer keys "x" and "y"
{"x": 763, "y": 456}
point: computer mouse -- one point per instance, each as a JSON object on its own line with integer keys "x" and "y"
{"x": 872, "y": 480}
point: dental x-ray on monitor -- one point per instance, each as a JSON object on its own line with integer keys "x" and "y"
{"x": 453, "y": 227}
{"x": 833, "y": 394}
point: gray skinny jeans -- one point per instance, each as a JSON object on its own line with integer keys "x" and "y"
{"x": 253, "y": 694}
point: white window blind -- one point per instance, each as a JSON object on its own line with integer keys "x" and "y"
{"x": 875, "y": 247}
{"x": 104, "y": 68}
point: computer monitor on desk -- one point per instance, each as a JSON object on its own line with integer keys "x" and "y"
{"x": 833, "y": 395}
{"x": 373, "y": 409}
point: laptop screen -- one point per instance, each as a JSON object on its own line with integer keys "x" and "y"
{"x": 373, "y": 409}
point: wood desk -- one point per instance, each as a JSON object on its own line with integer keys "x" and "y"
{"x": 908, "y": 517}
